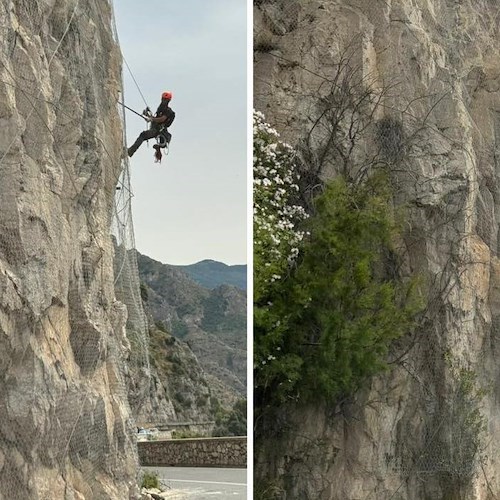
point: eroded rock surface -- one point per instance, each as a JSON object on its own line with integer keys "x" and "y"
{"x": 436, "y": 67}
{"x": 65, "y": 424}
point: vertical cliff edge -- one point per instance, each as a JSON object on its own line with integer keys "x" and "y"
{"x": 66, "y": 430}
{"x": 429, "y": 72}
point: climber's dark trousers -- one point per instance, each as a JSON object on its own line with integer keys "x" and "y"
{"x": 143, "y": 136}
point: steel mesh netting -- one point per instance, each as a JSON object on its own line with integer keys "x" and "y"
{"x": 127, "y": 282}
{"x": 65, "y": 423}
{"x": 303, "y": 88}
{"x": 127, "y": 285}
{"x": 278, "y": 24}
{"x": 447, "y": 442}
{"x": 329, "y": 105}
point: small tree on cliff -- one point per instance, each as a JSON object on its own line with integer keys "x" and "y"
{"x": 346, "y": 309}
{"x": 325, "y": 309}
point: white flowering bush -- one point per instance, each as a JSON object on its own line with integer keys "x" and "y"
{"x": 276, "y": 218}
{"x": 277, "y": 237}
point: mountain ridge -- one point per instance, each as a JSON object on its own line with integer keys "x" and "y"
{"x": 211, "y": 273}
{"x": 211, "y": 321}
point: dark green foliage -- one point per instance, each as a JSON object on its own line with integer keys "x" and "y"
{"x": 233, "y": 423}
{"x": 202, "y": 400}
{"x": 174, "y": 358}
{"x": 186, "y": 434}
{"x": 161, "y": 326}
{"x": 169, "y": 341}
{"x": 144, "y": 292}
{"x": 328, "y": 326}
{"x": 214, "y": 403}
{"x": 215, "y": 316}
{"x": 186, "y": 308}
{"x": 179, "y": 328}
{"x": 267, "y": 490}
{"x": 180, "y": 398}
{"x": 462, "y": 446}
{"x": 158, "y": 353}
{"x": 177, "y": 366}
{"x": 217, "y": 410}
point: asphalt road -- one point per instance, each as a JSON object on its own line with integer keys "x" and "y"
{"x": 201, "y": 483}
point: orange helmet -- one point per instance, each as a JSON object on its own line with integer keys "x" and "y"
{"x": 167, "y": 95}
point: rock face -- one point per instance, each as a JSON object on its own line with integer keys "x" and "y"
{"x": 65, "y": 424}
{"x": 179, "y": 391}
{"x": 426, "y": 429}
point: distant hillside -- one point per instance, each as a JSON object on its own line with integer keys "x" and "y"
{"x": 179, "y": 389}
{"x": 212, "y": 322}
{"x": 210, "y": 274}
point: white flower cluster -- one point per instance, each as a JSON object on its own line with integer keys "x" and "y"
{"x": 276, "y": 237}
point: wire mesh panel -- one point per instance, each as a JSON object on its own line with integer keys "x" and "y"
{"x": 127, "y": 283}
{"x": 127, "y": 287}
{"x": 66, "y": 428}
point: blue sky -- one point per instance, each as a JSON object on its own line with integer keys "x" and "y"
{"x": 193, "y": 206}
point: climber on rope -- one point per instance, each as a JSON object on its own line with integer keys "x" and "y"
{"x": 160, "y": 122}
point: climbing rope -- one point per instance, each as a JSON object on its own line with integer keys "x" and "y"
{"x": 135, "y": 81}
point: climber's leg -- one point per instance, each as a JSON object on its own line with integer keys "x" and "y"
{"x": 143, "y": 136}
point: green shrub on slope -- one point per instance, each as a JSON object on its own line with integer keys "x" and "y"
{"x": 325, "y": 325}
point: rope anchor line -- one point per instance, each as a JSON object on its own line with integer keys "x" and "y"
{"x": 133, "y": 111}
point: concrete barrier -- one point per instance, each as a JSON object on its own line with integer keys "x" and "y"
{"x": 199, "y": 452}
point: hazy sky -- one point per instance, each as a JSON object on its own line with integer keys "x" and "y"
{"x": 193, "y": 205}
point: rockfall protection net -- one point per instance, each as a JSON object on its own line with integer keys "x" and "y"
{"x": 127, "y": 282}
{"x": 314, "y": 88}
{"x": 70, "y": 351}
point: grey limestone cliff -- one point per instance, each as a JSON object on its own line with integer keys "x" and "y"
{"x": 429, "y": 71}
{"x": 65, "y": 423}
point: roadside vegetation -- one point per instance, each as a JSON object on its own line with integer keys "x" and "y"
{"x": 150, "y": 480}
{"x": 233, "y": 422}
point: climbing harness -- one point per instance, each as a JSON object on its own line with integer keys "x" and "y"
{"x": 162, "y": 142}
{"x": 163, "y": 137}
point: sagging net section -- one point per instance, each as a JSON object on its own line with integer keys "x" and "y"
{"x": 312, "y": 82}
{"x": 70, "y": 311}
{"x": 127, "y": 282}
